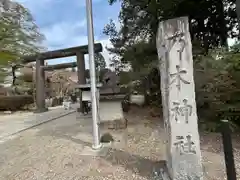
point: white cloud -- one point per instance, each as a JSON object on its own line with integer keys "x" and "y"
{"x": 31, "y": 1}
{"x": 42, "y": 2}
{"x": 63, "y": 34}
{"x": 106, "y": 43}
{"x": 36, "y": 4}
{"x": 83, "y": 2}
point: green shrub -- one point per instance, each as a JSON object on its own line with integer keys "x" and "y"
{"x": 14, "y": 103}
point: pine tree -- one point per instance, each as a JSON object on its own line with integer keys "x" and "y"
{"x": 19, "y": 35}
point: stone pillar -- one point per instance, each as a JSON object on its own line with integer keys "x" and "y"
{"x": 40, "y": 87}
{"x": 81, "y": 76}
{"x": 178, "y": 97}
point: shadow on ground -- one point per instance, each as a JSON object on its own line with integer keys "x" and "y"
{"x": 74, "y": 129}
{"x": 54, "y": 151}
{"x": 137, "y": 164}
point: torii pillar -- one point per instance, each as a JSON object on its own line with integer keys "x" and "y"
{"x": 81, "y": 76}
{"x": 40, "y": 87}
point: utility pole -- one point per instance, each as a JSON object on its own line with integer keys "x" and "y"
{"x": 96, "y": 135}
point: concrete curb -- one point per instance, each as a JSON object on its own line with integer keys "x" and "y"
{"x": 38, "y": 124}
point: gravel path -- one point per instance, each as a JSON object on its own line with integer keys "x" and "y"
{"x": 53, "y": 151}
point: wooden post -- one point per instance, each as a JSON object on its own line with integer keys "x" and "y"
{"x": 81, "y": 76}
{"x": 40, "y": 87}
{"x": 228, "y": 150}
{"x": 178, "y": 96}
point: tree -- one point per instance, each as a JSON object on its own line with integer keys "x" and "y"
{"x": 238, "y": 13}
{"x": 100, "y": 65}
{"x": 19, "y": 35}
{"x": 216, "y": 66}
{"x": 99, "y": 61}
{"x": 211, "y": 22}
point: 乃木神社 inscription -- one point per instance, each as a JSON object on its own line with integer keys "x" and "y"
{"x": 177, "y": 77}
{"x": 176, "y": 111}
{"x": 178, "y": 95}
{"x": 185, "y": 145}
{"x": 178, "y": 37}
{"x": 184, "y": 110}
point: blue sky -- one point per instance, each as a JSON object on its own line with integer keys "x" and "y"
{"x": 63, "y": 22}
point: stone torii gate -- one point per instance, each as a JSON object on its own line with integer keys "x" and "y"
{"x": 40, "y": 58}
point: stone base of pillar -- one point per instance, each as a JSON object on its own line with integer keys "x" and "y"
{"x": 79, "y": 110}
{"x": 117, "y": 124}
{"x": 41, "y": 110}
{"x": 164, "y": 176}
{"x": 162, "y": 173}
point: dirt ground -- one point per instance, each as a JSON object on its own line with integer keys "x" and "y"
{"x": 54, "y": 151}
